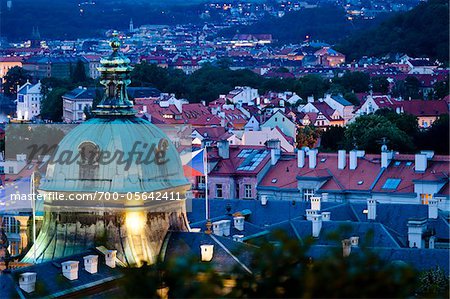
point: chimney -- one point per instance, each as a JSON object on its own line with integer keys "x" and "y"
{"x": 420, "y": 162}
{"x": 360, "y": 153}
{"x": 315, "y": 203}
{"x": 27, "y": 281}
{"x": 386, "y": 157}
{"x": 238, "y": 238}
{"x": 239, "y": 222}
{"x": 91, "y": 263}
{"x": 300, "y": 158}
{"x": 264, "y": 200}
{"x": 316, "y": 225}
{"x": 275, "y": 150}
{"x": 354, "y": 241}
{"x": 226, "y": 224}
{"x": 432, "y": 242}
{"x": 342, "y": 159}
{"x": 324, "y": 197}
{"x": 70, "y": 269}
{"x": 346, "y": 247}
{"x": 326, "y": 216}
{"x": 110, "y": 258}
{"x": 224, "y": 149}
{"x": 432, "y": 208}
{"x": 353, "y": 159}
{"x": 416, "y": 228}
{"x": 310, "y": 213}
{"x": 217, "y": 228}
{"x": 310, "y": 99}
{"x": 207, "y": 252}
{"x": 371, "y": 209}
{"x": 312, "y": 155}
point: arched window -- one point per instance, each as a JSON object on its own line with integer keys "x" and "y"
{"x": 89, "y": 156}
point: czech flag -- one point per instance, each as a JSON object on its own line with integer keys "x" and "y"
{"x": 194, "y": 163}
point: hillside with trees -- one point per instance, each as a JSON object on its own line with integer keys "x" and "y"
{"x": 326, "y": 22}
{"x": 422, "y": 31}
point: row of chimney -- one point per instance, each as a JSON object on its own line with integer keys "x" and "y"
{"x": 420, "y": 159}
{"x": 27, "y": 280}
{"x": 223, "y": 227}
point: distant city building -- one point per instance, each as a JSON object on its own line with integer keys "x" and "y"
{"x": 329, "y": 57}
{"x": 29, "y": 99}
{"x": 58, "y": 67}
{"x": 75, "y": 102}
{"x": 7, "y": 63}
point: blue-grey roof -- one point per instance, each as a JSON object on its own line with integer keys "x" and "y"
{"x": 91, "y": 92}
{"x": 228, "y": 254}
{"x": 274, "y": 212}
{"x": 51, "y": 282}
{"x": 341, "y": 100}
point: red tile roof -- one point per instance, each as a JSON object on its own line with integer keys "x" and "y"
{"x": 424, "y": 108}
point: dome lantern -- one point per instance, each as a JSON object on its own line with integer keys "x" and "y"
{"x": 115, "y": 77}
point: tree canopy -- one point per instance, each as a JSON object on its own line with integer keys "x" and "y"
{"x": 16, "y": 76}
{"x": 422, "y": 31}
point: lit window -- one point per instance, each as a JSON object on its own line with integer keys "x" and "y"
{"x": 307, "y": 194}
{"x": 247, "y": 191}
{"x": 219, "y": 191}
{"x": 391, "y": 184}
{"x": 424, "y": 197}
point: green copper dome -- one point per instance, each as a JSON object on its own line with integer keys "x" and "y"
{"x": 125, "y": 154}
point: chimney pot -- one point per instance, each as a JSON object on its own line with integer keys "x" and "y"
{"x": 416, "y": 228}
{"x": 342, "y": 159}
{"x": 239, "y": 222}
{"x": 264, "y": 199}
{"x": 312, "y": 154}
{"x": 353, "y": 159}
{"x": 27, "y": 281}
{"x": 326, "y": 216}
{"x": 371, "y": 209}
{"x": 110, "y": 258}
{"x": 315, "y": 203}
{"x": 91, "y": 263}
{"x": 70, "y": 269}
{"x": 207, "y": 252}
{"x": 300, "y": 158}
{"x": 432, "y": 208}
{"x": 420, "y": 162}
{"x": 316, "y": 225}
{"x": 224, "y": 149}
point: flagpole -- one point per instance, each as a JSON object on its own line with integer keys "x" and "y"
{"x": 33, "y": 207}
{"x": 205, "y": 170}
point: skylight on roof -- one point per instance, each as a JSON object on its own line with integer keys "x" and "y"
{"x": 409, "y": 163}
{"x": 323, "y": 160}
{"x": 397, "y": 163}
{"x": 360, "y": 182}
{"x": 253, "y": 158}
{"x": 391, "y": 184}
{"x": 274, "y": 180}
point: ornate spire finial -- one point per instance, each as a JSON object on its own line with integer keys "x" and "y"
{"x": 115, "y": 76}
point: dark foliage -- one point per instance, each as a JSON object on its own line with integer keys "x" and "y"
{"x": 15, "y": 76}
{"x": 323, "y": 23}
{"x": 423, "y": 31}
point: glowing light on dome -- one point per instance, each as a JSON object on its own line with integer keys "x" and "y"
{"x": 135, "y": 221}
